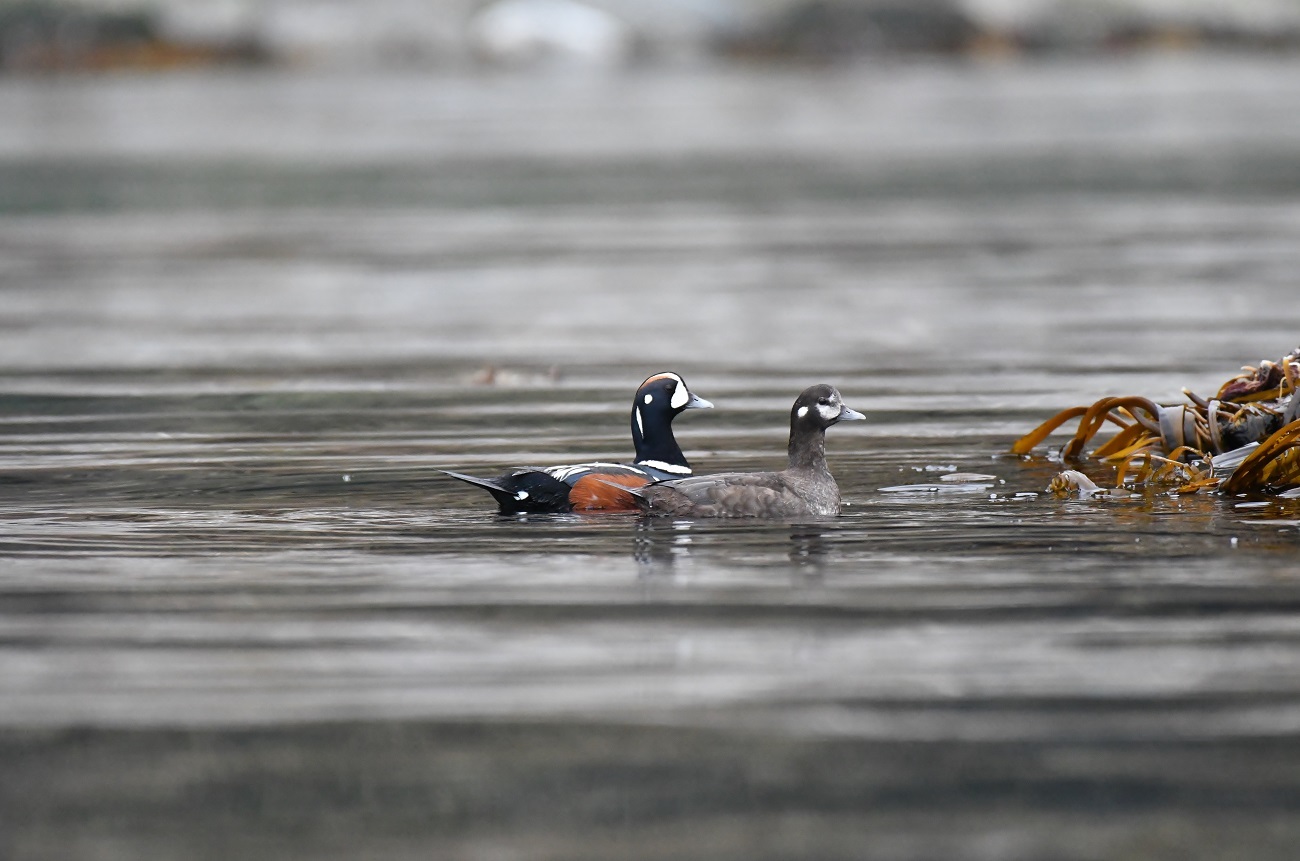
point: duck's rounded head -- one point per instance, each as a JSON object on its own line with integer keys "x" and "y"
{"x": 667, "y": 393}
{"x": 820, "y": 406}
{"x": 657, "y": 402}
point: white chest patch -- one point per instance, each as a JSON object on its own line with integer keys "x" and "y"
{"x": 663, "y": 466}
{"x": 803, "y": 411}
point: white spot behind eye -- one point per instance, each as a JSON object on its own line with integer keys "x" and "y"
{"x": 803, "y": 411}
{"x": 521, "y": 495}
{"x": 680, "y": 396}
{"x": 649, "y": 398}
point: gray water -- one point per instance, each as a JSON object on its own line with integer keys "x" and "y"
{"x": 247, "y": 317}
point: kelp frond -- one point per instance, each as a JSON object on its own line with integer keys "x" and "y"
{"x": 1271, "y": 468}
{"x": 1179, "y": 444}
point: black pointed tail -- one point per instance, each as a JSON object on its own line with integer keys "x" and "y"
{"x": 503, "y": 495}
{"x": 525, "y": 491}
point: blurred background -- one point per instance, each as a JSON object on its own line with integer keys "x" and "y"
{"x": 159, "y": 34}
{"x": 267, "y": 265}
{"x": 248, "y": 183}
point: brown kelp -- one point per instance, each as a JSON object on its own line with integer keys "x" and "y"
{"x": 1245, "y": 439}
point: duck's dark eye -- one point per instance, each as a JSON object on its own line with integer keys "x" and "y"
{"x": 824, "y": 401}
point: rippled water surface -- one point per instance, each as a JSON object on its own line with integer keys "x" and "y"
{"x": 247, "y": 318}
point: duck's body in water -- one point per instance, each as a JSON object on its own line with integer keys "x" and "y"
{"x": 594, "y": 486}
{"x": 804, "y": 487}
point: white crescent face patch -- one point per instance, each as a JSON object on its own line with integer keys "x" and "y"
{"x": 828, "y": 412}
{"x": 680, "y": 395}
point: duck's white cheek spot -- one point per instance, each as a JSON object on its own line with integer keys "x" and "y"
{"x": 803, "y": 411}
{"x": 828, "y": 411}
{"x": 680, "y": 397}
{"x": 649, "y": 398}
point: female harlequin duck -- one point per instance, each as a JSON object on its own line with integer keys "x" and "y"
{"x": 598, "y": 486}
{"x": 802, "y": 488}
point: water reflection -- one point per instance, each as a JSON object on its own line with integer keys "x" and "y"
{"x": 667, "y": 548}
{"x": 658, "y": 543}
{"x": 808, "y": 550}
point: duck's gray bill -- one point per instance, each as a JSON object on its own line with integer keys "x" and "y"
{"x": 848, "y": 415}
{"x": 698, "y": 403}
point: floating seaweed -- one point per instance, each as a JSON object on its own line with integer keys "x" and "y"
{"x": 1245, "y": 439}
{"x": 1072, "y": 481}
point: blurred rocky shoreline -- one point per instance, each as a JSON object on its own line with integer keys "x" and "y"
{"x": 67, "y": 35}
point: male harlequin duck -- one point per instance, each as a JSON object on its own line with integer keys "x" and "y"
{"x": 597, "y": 486}
{"x": 804, "y": 487}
